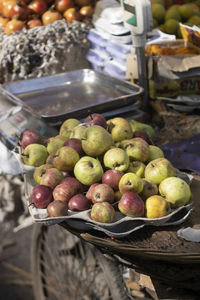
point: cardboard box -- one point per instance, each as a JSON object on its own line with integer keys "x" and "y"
{"x": 173, "y": 75}
{"x": 170, "y": 75}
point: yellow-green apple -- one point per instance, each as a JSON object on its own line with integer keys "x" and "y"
{"x": 112, "y": 178}
{"x": 136, "y": 125}
{"x": 47, "y": 175}
{"x": 31, "y": 136}
{"x": 102, "y": 212}
{"x": 74, "y": 183}
{"x": 96, "y": 119}
{"x": 120, "y": 129}
{"x": 56, "y": 143}
{"x": 176, "y": 191}
{"x": 74, "y": 143}
{"x": 79, "y": 202}
{"x": 136, "y": 148}
{"x": 118, "y": 196}
{"x": 50, "y": 158}
{"x": 155, "y": 152}
{"x": 41, "y": 196}
{"x": 67, "y": 127}
{"x": 117, "y": 159}
{"x": 88, "y": 170}
{"x": 64, "y": 192}
{"x": 97, "y": 140}
{"x": 102, "y": 193}
{"x": 65, "y": 158}
{"x": 90, "y": 190}
{"x": 159, "y": 169}
{"x": 78, "y": 132}
{"x": 131, "y": 205}
{"x": 149, "y": 189}
{"x": 39, "y": 171}
{"x": 130, "y": 182}
{"x": 136, "y": 167}
{"x": 57, "y": 208}
{"x": 156, "y": 207}
{"x": 142, "y": 134}
{"x": 34, "y": 155}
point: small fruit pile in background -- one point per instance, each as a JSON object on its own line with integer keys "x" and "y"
{"x": 168, "y": 13}
{"x": 18, "y": 14}
{"x": 104, "y": 166}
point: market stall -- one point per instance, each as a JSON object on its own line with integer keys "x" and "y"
{"x": 54, "y": 92}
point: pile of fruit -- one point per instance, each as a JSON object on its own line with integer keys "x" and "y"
{"x": 102, "y": 166}
{"x": 167, "y": 14}
{"x": 18, "y": 14}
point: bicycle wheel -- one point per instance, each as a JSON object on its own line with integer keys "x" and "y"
{"x": 66, "y": 268}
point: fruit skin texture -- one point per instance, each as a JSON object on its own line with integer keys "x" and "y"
{"x": 120, "y": 129}
{"x": 96, "y": 119}
{"x": 155, "y": 152}
{"x": 88, "y": 170}
{"x": 79, "y": 203}
{"x": 64, "y": 192}
{"x": 73, "y": 182}
{"x": 117, "y": 159}
{"x": 41, "y": 196}
{"x": 67, "y": 127}
{"x": 176, "y": 191}
{"x": 35, "y": 155}
{"x": 149, "y": 189}
{"x": 57, "y": 208}
{"x": 103, "y": 193}
{"x": 97, "y": 140}
{"x": 159, "y": 169}
{"x": 65, "y": 158}
{"x": 112, "y": 178}
{"x": 156, "y": 207}
{"x": 131, "y": 205}
{"x": 90, "y": 190}
{"x": 55, "y": 144}
{"x": 136, "y": 167}
{"x": 31, "y": 136}
{"x": 136, "y": 148}
{"x": 135, "y": 125}
{"x": 47, "y": 175}
{"x": 102, "y": 212}
{"x": 130, "y": 182}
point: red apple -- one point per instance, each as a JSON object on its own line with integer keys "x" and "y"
{"x": 103, "y": 193}
{"x": 57, "y": 208}
{"x": 90, "y": 190}
{"x": 48, "y": 176}
{"x": 76, "y": 144}
{"x": 102, "y": 212}
{"x": 41, "y": 196}
{"x": 96, "y": 119}
{"x": 75, "y": 184}
{"x": 31, "y": 136}
{"x": 63, "y": 192}
{"x": 79, "y": 202}
{"x": 131, "y": 205}
{"x": 112, "y": 178}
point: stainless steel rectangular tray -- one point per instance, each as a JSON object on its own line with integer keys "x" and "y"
{"x": 74, "y": 94}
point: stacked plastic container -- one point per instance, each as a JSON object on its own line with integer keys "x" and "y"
{"x": 110, "y": 40}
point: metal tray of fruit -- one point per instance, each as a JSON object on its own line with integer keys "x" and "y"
{"x": 121, "y": 226}
{"x": 73, "y": 94}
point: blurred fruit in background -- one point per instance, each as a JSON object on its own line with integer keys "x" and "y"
{"x": 167, "y": 14}
{"x": 42, "y": 12}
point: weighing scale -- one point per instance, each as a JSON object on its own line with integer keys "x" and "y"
{"x": 138, "y": 19}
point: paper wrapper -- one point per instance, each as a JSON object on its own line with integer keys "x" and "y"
{"x": 191, "y": 34}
